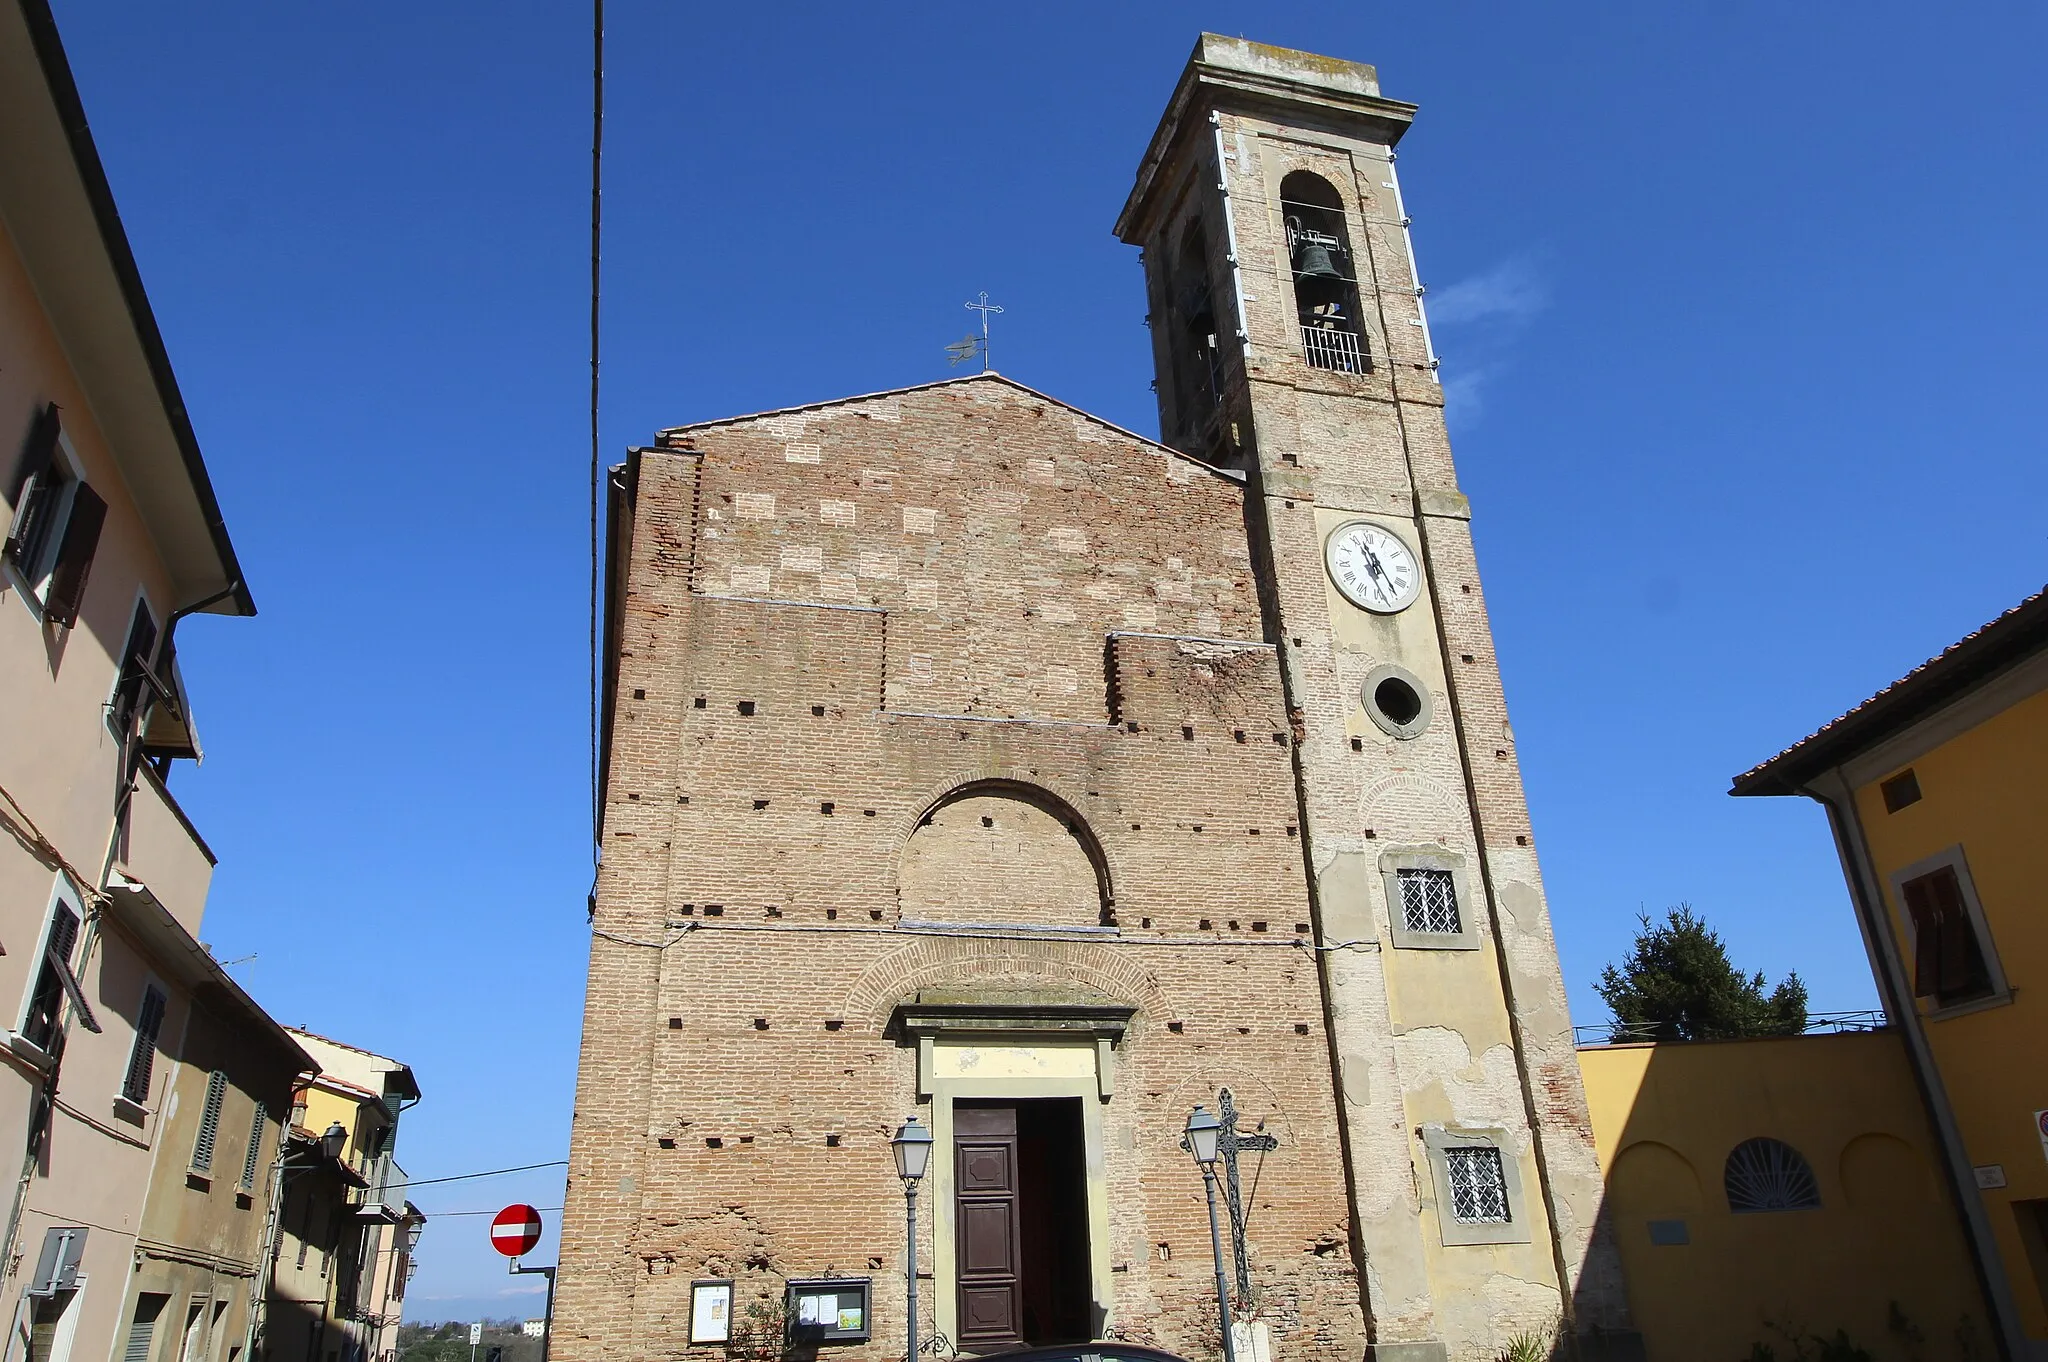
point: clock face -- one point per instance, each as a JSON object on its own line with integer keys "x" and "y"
{"x": 1373, "y": 567}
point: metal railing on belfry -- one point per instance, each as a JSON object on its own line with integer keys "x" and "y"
{"x": 1328, "y": 348}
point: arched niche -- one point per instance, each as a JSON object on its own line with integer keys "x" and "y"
{"x": 1651, "y": 1179}
{"x": 1003, "y": 853}
{"x": 1882, "y": 1172}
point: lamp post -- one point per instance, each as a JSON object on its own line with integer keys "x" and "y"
{"x": 1202, "y": 1132}
{"x": 332, "y": 1140}
{"x": 913, "y": 1150}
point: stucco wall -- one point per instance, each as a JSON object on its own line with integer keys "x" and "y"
{"x": 1886, "y": 1232}
{"x": 1982, "y": 790}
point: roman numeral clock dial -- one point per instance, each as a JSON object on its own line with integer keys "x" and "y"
{"x": 1373, "y": 567}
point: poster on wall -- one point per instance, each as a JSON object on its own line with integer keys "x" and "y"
{"x": 711, "y": 1311}
{"x": 829, "y": 1309}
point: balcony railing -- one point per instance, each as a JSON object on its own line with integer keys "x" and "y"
{"x": 1338, "y": 351}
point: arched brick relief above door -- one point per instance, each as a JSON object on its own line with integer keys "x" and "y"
{"x": 1002, "y": 852}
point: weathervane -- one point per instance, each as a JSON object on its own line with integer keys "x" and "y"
{"x": 966, "y": 348}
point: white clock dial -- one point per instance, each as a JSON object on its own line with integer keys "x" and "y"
{"x": 1373, "y": 567}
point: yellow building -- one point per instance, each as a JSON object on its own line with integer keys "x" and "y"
{"x": 1766, "y": 1190}
{"x": 1935, "y": 791}
{"x": 345, "y": 1236}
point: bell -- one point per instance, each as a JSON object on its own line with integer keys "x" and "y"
{"x": 1312, "y": 264}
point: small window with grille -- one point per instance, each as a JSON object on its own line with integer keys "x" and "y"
{"x": 1479, "y": 1186}
{"x": 1429, "y": 901}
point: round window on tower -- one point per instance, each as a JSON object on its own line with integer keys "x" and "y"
{"x": 1397, "y": 701}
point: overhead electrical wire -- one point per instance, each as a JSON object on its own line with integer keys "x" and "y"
{"x": 596, "y": 450}
{"x": 488, "y": 1173}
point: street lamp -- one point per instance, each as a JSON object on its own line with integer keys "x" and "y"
{"x": 913, "y": 1150}
{"x": 331, "y": 1141}
{"x": 1203, "y": 1132}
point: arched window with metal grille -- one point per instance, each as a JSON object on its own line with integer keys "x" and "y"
{"x": 1769, "y": 1175}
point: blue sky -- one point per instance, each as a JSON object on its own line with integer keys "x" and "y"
{"x": 1739, "y": 307}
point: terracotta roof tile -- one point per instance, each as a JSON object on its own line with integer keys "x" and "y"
{"x": 2015, "y": 634}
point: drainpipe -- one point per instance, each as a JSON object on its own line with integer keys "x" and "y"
{"x": 1833, "y": 793}
{"x": 1244, "y": 335}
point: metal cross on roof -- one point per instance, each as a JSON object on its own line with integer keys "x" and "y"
{"x": 984, "y": 307}
{"x": 1229, "y": 1144}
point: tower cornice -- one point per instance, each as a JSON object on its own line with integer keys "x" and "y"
{"x": 1233, "y": 73}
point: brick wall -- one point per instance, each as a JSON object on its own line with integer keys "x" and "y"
{"x": 848, "y": 635}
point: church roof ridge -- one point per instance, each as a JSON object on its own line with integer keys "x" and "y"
{"x": 985, "y": 376}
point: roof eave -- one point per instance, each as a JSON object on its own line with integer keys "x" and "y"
{"x": 2006, "y": 642}
{"x": 140, "y": 454}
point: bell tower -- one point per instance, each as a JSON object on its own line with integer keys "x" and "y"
{"x": 1292, "y": 347}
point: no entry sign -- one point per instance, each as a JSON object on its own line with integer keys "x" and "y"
{"x": 516, "y": 1230}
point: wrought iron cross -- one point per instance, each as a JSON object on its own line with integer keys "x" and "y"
{"x": 984, "y": 307}
{"x": 1229, "y": 1144}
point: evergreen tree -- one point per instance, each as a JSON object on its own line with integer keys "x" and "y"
{"x": 1678, "y": 984}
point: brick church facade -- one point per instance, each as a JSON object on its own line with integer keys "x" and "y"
{"x": 968, "y": 756}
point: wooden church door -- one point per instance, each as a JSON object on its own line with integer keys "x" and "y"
{"x": 986, "y": 1210}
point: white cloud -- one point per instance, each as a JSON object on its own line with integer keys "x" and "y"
{"x": 1482, "y": 315}
{"x": 1510, "y": 292}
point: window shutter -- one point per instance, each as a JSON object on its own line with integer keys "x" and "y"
{"x": 257, "y": 1126}
{"x": 142, "y": 1332}
{"x": 30, "y": 480}
{"x": 1948, "y": 964}
{"x": 209, "y": 1121}
{"x": 142, "y": 1060}
{"x": 74, "y": 557}
{"x": 57, "y": 958}
{"x": 1926, "y": 936}
{"x": 134, "y": 684}
{"x": 64, "y": 933}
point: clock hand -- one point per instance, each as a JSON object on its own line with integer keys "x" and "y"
{"x": 1372, "y": 564}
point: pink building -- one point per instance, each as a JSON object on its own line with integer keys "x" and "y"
{"x": 141, "y": 1091}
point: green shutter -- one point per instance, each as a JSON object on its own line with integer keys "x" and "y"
{"x": 142, "y": 1059}
{"x": 209, "y": 1121}
{"x": 257, "y": 1126}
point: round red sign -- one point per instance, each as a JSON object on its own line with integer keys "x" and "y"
{"x": 516, "y": 1230}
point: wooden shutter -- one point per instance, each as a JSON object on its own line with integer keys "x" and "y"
{"x": 257, "y": 1125}
{"x": 54, "y": 979}
{"x": 29, "y": 488}
{"x": 136, "y": 681}
{"x": 142, "y": 1059}
{"x": 74, "y": 557}
{"x": 1948, "y": 964}
{"x": 209, "y": 1121}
